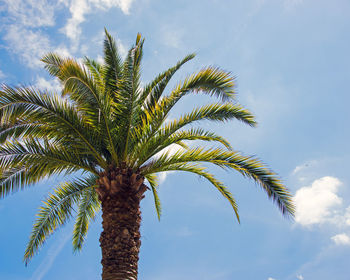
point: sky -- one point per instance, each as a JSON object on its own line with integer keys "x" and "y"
{"x": 292, "y": 66}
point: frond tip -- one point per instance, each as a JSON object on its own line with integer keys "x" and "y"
{"x": 55, "y": 212}
{"x": 152, "y": 180}
{"x": 248, "y": 166}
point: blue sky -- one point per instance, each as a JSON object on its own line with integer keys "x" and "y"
{"x": 292, "y": 63}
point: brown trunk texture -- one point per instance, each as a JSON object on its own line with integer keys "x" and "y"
{"x": 120, "y": 192}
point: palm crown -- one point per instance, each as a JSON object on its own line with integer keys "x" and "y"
{"x": 105, "y": 119}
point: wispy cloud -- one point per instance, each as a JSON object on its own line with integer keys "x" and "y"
{"x": 162, "y": 177}
{"x": 80, "y": 8}
{"x": 341, "y": 239}
{"x": 22, "y": 35}
{"x": 2, "y": 75}
{"x": 31, "y": 13}
{"x": 23, "y": 31}
{"x": 52, "y": 254}
{"x": 49, "y": 85}
{"x": 28, "y": 44}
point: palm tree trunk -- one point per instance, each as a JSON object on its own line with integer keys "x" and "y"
{"x": 120, "y": 191}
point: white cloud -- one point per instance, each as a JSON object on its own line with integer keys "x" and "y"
{"x": 320, "y": 204}
{"x": 341, "y": 239}
{"x": 31, "y": 13}
{"x": 270, "y": 278}
{"x": 2, "y": 75}
{"x": 63, "y": 51}
{"x": 100, "y": 59}
{"x": 315, "y": 204}
{"x": 123, "y": 50}
{"x": 162, "y": 176}
{"x": 21, "y": 29}
{"x": 28, "y": 44}
{"x": 346, "y": 216}
{"x": 24, "y": 18}
{"x": 170, "y": 150}
{"x": 49, "y": 85}
{"x": 124, "y": 5}
{"x": 300, "y": 277}
{"x": 80, "y": 8}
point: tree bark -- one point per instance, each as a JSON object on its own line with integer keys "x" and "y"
{"x": 120, "y": 192}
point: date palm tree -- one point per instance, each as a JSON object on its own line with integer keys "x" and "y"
{"x": 112, "y": 136}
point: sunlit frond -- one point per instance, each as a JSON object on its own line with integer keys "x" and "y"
{"x": 113, "y": 63}
{"x": 53, "y": 62}
{"x": 212, "y": 81}
{"x": 96, "y": 70}
{"x": 31, "y": 106}
{"x": 153, "y": 142}
{"x": 154, "y": 90}
{"x": 129, "y": 90}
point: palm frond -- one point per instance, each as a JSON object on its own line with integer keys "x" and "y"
{"x": 14, "y": 179}
{"x": 52, "y": 111}
{"x": 212, "y": 81}
{"x": 201, "y": 171}
{"x": 153, "y": 141}
{"x": 88, "y": 207}
{"x": 96, "y": 70}
{"x": 162, "y": 142}
{"x": 30, "y": 152}
{"x": 53, "y": 62}
{"x": 27, "y": 162}
{"x": 152, "y": 180}
{"x": 82, "y": 88}
{"x": 129, "y": 91}
{"x": 248, "y": 166}
{"x": 113, "y": 63}
{"x": 55, "y": 212}
{"x": 154, "y": 90}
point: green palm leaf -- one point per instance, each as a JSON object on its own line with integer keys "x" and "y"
{"x": 113, "y": 62}
{"x": 199, "y": 170}
{"x": 55, "y": 212}
{"x": 88, "y": 206}
{"x": 247, "y": 166}
{"x": 152, "y": 180}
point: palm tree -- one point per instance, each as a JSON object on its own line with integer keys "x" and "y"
{"x": 112, "y": 136}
